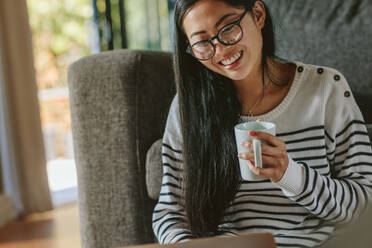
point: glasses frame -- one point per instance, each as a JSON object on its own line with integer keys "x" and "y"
{"x": 237, "y": 22}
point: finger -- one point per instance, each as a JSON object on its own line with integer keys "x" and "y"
{"x": 267, "y": 161}
{"x": 246, "y": 156}
{"x": 270, "y": 172}
{"x": 265, "y": 149}
{"x": 269, "y": 138}
{"x": 266, "y": 172}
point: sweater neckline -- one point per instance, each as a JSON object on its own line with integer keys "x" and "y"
{"x": 274, "y": 113}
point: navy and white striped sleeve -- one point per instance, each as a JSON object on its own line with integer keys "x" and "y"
{"x": 343, "y": 195}
{"x": 169, "y": 219}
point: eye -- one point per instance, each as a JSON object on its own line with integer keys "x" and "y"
{"x": 202, "y": 43}
{"x": 228, "y": 29}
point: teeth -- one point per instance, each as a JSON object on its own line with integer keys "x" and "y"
{"x": 232, "y": 59}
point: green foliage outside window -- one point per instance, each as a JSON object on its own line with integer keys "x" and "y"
{"x": 63, "y": 32}
{"x": 147, "y": 24}
{"x": 60, "y": 33}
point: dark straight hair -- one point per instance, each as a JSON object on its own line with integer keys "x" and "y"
{"x": 209, "y": 110}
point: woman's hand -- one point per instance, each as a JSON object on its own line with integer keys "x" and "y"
{"x": 274, "y": 156}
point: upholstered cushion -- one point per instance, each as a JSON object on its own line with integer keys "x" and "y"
{"x": 154, "y": 170}
{"x": 369, "y": 129}
{"x": 356, "y": 234}
{"x": 329, "y": 33}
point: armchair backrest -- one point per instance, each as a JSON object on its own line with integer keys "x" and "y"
{"x": 119, "y": 103}
{"x": 332, "y": 33}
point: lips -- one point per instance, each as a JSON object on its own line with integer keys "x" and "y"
{"x": 233, "y": 62}
{"x": 232, "y": 59}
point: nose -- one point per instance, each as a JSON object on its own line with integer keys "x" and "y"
{"x": 219, "y": 50}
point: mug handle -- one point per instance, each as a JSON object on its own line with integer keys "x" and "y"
{"x": 257, "y": 153}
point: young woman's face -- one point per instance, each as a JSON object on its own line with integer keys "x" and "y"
{"x": 207, "y": 17}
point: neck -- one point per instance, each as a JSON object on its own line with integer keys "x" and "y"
{"x": 250, "y": 89}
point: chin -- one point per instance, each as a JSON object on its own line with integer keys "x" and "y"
{"x": 236, "y": 76}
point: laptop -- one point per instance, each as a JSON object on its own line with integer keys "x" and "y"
{"x": 249, "y": 240}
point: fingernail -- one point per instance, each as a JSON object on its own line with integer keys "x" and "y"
{"x": 252, "y": 133}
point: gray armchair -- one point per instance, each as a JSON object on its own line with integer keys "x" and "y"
{"x": 120, "y": 100}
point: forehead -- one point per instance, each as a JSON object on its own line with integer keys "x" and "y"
{"x": 204, "y": 14}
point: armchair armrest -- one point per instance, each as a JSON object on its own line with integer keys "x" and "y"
{"x": 119, "y": 102}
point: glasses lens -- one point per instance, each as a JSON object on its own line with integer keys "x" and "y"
{"x": 203, "y": 50}
{"x": 230, "y": 34}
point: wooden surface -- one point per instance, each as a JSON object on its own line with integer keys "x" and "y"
{"x": 54, "y": 229}
{"x": 7, "y": 211}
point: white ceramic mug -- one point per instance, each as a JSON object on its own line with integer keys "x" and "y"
{"x": 242, "y": 134}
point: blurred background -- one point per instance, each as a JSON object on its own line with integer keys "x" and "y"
{"x": 39, "y": 39}
{"x": 66, "y": 30}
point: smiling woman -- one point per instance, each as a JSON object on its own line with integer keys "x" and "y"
{"x": 316, "y": 170}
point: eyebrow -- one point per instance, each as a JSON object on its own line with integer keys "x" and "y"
{"x": 216, "y": 25}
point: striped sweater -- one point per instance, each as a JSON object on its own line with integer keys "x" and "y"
{"x": 328, "y": 180}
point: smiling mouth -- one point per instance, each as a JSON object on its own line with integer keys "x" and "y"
{"x": 232, "y": 61}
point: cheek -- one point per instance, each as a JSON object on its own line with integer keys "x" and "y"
{"x": 259, "y": 42}
{"x": 253, "y": 41}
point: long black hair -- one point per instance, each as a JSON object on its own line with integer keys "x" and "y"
{"x": 209, "y": 110}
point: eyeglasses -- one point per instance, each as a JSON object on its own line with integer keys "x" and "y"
{"x": 228, "y": 35}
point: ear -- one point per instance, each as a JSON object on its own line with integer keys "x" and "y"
{"x": 259, "y": 13}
